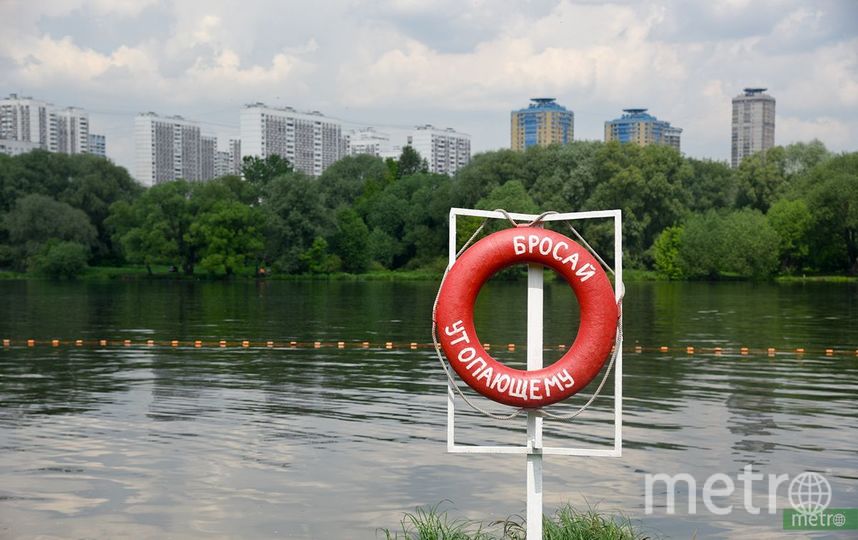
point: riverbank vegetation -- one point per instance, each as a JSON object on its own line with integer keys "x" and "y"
{"x": 567, "y": 523}
{"x": 791, "y": 211}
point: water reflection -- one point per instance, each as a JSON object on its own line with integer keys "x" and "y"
{"x": 328, "y": 443}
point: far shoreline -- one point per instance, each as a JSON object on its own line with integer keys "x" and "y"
{"x": 94, "y": 274}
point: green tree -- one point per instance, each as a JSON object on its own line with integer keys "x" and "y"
{"x": 11, "y": 188}
{"x": 392, "y": 166}
{"x": 557, "y": 177}
{"x": 752, "y": 245}
{"x": 37, "y": 172}
{"x": 792, "y": 221}
{"x": 317, "y": 259}
{"x": 666, "y": 253}
{"x": 146, "y": 245}
{"x": 712, "y": 185}
{"x": 801, "y": 157}
{"x": 484, "y": 173}
{"x": 229, "y": 235}
{"x": 427, "y": 222}
{"x": 410, "y": 162}
{"x": 648, "y": 185}
{"x": 8, "y": 258}
{"x": 511, "y": 197}
{"x": 261, "y": 171}
{"x": 85, "y": 182}
{"x": 37, "y": 219}
{"x": 739, "y": 243}
{"x": 241, "y": 190}
{"x": 351, "y": 241}
{"x": 387, "y": 212}
{"x": 94, "y": 184}
{"x": 60, "y": 259}
{"x": 383, "y": 248}
{"x": 832, "y": 197}
{"x": 294, "y": 217}
{"x": 154, "y": 228}
{"x": 703, "y": 246}
{"x": 347, "y": 179}
{"x": 761, "y": 179}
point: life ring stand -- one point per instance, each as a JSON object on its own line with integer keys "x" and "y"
{"x": 454, "y": 316}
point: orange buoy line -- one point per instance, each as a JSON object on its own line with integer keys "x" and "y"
{"x": 637, "y": 348}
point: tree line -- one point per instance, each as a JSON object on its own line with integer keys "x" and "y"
{"x": 788, "y": 210}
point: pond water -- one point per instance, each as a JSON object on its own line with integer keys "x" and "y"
{"x": 162, "y": 442}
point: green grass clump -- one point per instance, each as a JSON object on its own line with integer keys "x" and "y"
{"x": 567, "y": 523}
{"x": 432, "y": 524}
{"x": 571, "y": 524}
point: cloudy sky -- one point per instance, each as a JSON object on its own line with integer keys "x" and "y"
{"x": 446, "y": 62}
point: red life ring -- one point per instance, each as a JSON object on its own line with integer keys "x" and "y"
{"x": 454, "y": 316}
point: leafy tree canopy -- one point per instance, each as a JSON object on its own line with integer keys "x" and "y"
{"x": 261, "y": 171}
{"x": 37, "y": 219}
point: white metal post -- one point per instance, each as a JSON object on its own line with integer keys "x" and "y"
{"x": 534, "y": 420}
{"x": 619, "y": 290}
{"x": 451, "y": 394}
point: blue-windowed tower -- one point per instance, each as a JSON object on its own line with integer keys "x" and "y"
{"x": 639, "y": 127}
{"x": 542, "y": 122}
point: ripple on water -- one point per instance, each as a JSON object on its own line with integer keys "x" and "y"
{"x": 333, "y": 443}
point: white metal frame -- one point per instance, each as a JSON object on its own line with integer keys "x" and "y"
{"x": 534, "y": 449}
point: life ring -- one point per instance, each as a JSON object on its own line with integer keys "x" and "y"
{"x": 454, "y": 317}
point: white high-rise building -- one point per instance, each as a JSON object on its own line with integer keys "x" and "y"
{"x": 11, "y": 147}
{"x": 371, "y": 142}
{"x": 25, "y": 120}
{"x": 97, "y": 145}
{"x": 672, "y": 136}
{"x": 38, "y": 124}
{"x": 445, "y": 150}
{"x": 166, "y": 148}
{"x": 309, "y": 141}
{"x": 753, "y": 123}
{"x": 69, "y": 133}
{"x": 234, "y": 157}
{"x": 222, "y": 164}
{"x": 208, "y": 155}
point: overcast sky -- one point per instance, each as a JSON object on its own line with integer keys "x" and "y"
{"x": 446, "y": 62}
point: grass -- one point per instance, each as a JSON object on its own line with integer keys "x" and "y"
{"x": 816, "y": 279}
{"x": 116, "y": 272}
{"x": 433, "y": 524}
{"x": 570, "y": 524}
{"x": 567, "y": 523}
{"x": 11, "y": 275}
{"x": 379, "y": 275}
{"x": 133, "y": 273}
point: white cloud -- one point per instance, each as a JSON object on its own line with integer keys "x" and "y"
{"x": 137, "y": 73}
{"x": 833, "y": 131}
{"x": 553, "y": 54}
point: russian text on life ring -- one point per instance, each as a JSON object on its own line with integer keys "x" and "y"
{"x": 454, "y": 317}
